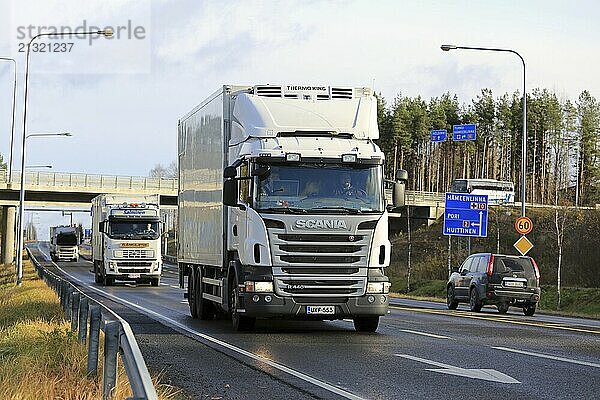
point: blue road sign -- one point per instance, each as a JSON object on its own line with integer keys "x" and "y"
{"x": 464, "y": 132}
{"x": 439, "y": 135}
{"x": 87, "y": 232}
{"x": 466, "y": 215}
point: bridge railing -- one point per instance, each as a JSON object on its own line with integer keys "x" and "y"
{"x": 414, "y": 198}
{"x": 92, "y": 181}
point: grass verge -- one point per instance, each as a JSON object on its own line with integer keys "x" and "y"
{"x": 40, "y": 357}
{"x": 579, "y": 302}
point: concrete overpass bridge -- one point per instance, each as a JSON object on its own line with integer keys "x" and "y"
{"x": 50, "y": 190}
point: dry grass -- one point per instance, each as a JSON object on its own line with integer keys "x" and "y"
{"x": 39, "y": 355}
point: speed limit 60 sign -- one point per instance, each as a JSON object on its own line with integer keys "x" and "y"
{"x": 523, "y": 225}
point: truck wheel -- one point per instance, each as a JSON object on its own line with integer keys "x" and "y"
{"x": 192, "y": 293}
{"x": 450, "y": 299}
{"x": 203, "y": 307}
{"x": 474, "y": 303}
{"x": 97, "y": 277}
{"x": 108, "y": 281}
{"x": 239, "y": 322}
{"x": 155, "y": 282}
{"x": 366, "y": 324}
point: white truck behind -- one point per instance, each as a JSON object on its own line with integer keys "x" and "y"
{"x": 281, "y": 206}
{"x": 126, "y": 232}
{"x": 64, "y": 243}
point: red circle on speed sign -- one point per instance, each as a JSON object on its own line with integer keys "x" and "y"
{"x": 523, "y": 225}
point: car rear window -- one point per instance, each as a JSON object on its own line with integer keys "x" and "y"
{"x": 504, "y": 265}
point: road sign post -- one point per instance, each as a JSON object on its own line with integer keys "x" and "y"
{"x": 462, "y": 133}
{"x": 466, "y": 215}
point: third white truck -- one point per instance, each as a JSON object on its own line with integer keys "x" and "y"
{"x": 64, "y": 243}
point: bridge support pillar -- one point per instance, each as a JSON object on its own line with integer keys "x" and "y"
{"x": 8, "y": 234}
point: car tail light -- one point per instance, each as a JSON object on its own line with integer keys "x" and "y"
{"x": 490, "y": 267}
{"x": 537, "y": 272}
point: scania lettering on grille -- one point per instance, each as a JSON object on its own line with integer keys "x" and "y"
{"x": 321, "y": 224}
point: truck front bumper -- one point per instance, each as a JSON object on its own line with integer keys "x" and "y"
{"x": 269, "y": 305}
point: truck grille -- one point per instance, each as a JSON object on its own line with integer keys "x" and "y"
{"x": 133, "y": 264}
{"x": 134, "y": 253}
{"x": 320, "y": 287}
{"x": 319, "y": 264}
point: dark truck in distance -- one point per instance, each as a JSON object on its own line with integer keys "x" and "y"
{"x": 498, "y": 279}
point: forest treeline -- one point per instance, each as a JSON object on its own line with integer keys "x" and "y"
{"x": 562, "y": 142}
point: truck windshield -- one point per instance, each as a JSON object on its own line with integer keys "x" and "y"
{"x": 320, "y": 188}
{"x": 134, "y": 229}
{"x": 66, "y": 239}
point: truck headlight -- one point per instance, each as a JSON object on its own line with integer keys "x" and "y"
{"x": 263, "y": 287}
{"x": 378, "y": 287}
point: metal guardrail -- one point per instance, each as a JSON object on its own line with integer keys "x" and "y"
{"x": 90, "y": 181}
{"x": 118, "y": 337}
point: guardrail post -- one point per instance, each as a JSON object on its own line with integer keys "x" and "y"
{"x": 70, "y": 294}
{"x": 95, "y": 318}
{"x": 83, "y": 316}
{"x": 111, "y": 349}
{"x": 75, "y": 311}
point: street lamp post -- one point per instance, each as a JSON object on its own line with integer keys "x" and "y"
{"x": 448, "y": 47}
{"x": 106, "y": 33}
{"x": 14, "y": 107}
{"x": 22, "y": 201}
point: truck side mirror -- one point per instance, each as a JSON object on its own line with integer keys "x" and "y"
{"x": 402, "y": 175}
{"x": 230, "y": 192}
{"x": 398, "y": 194}
{"x": 101, "y": 227}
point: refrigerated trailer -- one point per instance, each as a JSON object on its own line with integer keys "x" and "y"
{"x": 281, "y": 205}
{"x": 126, "y": 232}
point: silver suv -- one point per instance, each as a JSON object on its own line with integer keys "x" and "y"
{"x": 497, "y": 279}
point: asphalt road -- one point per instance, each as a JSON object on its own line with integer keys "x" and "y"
{"x": 420, "y": 351}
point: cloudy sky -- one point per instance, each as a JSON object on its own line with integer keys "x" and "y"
{"x": 121, "y": 97}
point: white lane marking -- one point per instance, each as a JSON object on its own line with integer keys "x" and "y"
{"x": 175, "y": 286}
{"x": 425, "y": 334}
{"x": 528, "y": 353}
{"x": 474, "y": 373}
{"x": 173, "y": 323}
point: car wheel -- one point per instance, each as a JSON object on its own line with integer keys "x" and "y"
{"x": 529, "y": 310}
{"x": 502, "y": 308}
{"x": 239, "y": 322}
{"x": 155, "y": 282}
{"x": 450, "y": 300}
{"x": 474, "y": 302}
{"x": 366, "y": 324}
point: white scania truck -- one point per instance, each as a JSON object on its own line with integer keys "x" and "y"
{"x": 64, "y": 243}
{"x": 281, "y": 205}
{"x": 126, "y": 232}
